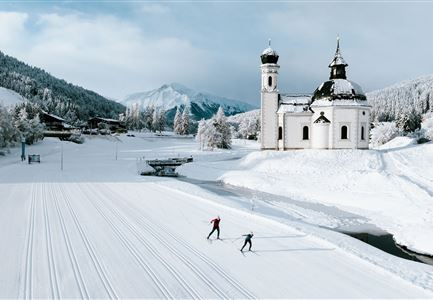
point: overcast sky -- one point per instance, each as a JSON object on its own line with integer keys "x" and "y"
{"x": 118, "y": 48}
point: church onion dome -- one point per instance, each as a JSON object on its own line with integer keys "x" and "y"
{"x": 269, "y": 55}
{"x": 338, "y": 87}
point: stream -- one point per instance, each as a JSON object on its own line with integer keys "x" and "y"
{"x": 316, "y": 214}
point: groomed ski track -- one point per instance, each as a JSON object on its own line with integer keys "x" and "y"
{"x": 97, "y": 230}
{"x": 125, "y": 240}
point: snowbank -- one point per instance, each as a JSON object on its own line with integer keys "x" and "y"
{"x": 9, "y": 97}
{"x": 391, "y": 187}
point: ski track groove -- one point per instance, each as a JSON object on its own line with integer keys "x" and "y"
{"x": 207, "y": 260}
{"x": 405, "y": 171}
{"x": 90, "y": 250}
{"x": 196, "y": 270}
{"x": 54, "y": 283}
{"x": 72, "y": 256}
{"x": 204, "y": 258}
{"x": 28, "y": 272}
{"x": 135, "y": 253}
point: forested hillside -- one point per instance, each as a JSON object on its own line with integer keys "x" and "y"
{"x": 407, "y": 97}
{"x": 54, "y": 95}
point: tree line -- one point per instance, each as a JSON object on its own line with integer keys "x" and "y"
{"x": 20, "y": 123}
{"x": 73, "y": 103}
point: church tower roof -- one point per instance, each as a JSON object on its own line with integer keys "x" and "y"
{"x": 338, "y": 64}
{"x": 269, "y": 55}
{"x": 338, "y": 87}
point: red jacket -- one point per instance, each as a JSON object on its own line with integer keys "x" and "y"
{"x": 216, "y": 223}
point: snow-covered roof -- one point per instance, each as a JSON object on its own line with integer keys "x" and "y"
{"x": 54, "y": 116}
{"x": 338, "y": 89}
{"x": 295, "y": 99}
{"x": 294, "y": 103}
{"x": 343, "y": 86}
{"x": 105, "y": 119}
{"x": 343, "y": 102}
{"x": 338, "y": 60}
{"x": 269, "y": 51}
{"x": 288, "y": 108}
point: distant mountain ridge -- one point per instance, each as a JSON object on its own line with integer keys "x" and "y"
{"x": 54, "y": 95}
{"x": 171, "y": 96}
{"x": 388, "y": 103}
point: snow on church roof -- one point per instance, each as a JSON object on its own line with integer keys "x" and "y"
{"x": 340, "y": 102}
{"x": 343, "y": 86}
{"x": 335, "y": 89}
{"x": 294, "y": 103}
{"x": 269, "y": 51}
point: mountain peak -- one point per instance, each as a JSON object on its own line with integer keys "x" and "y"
{"x": 173, "y": 95}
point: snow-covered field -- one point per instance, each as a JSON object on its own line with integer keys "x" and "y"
{"x": 97, "y": 229}
{"x": 9, "y": 97}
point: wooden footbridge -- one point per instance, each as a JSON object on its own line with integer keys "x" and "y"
{"x": 165, "y": 167}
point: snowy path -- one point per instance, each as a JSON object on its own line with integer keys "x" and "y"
{"x": 97, "y": 230}
{"x": 110, "y": 240}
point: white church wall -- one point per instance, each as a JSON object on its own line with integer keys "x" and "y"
{"x": 269, "y": 126}
{"x": 293, "y": 133}
{"x": 364, "y": 121}
{"x": 320, "y": 135}
{"x": 350, "y": 117}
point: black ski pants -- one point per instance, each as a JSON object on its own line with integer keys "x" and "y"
{"x": 247, "y": 242}
{"x": 213, "y": 230}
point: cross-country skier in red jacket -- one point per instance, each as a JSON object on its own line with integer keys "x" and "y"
{"x": 216, "y": 226}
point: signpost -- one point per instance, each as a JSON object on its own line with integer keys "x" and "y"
{"x": 61, "y": 156}
{"x": 23, "y": 149}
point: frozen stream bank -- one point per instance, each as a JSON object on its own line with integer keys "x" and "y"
{"x": 329, "y": 217}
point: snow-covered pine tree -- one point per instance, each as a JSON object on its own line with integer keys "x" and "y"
{"x": 249, "y": 128}
{"x": 155, "y": 117}
{"x": 427, "y": 126}
{"x": 184, "y": 128}
{"x": 207, "y": 136}
{"x": 177, "y": 121}
{"x": 223, "y": 138}
{"x": 409, "y": 121}
{"x": 161, "y": 120}
{"x": 214, "y": 133}
{"x": 8, "y": 132}
{"x": 383, "y": 133}
{"x": 148, "y": 117}
{"x": 36, "y": 129}
{"x": 158, "y": 121}
{"x": 201, "y": 136}
{"x": 29, "y": 127}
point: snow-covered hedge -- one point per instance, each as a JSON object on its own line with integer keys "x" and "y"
{"x": 246, "y": 125}
{"x": 215, "y": 132}
{"x": 427, "y": 126}
{"x": 383, "y": 133}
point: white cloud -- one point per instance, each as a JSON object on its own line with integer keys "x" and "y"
{"x": 12, "y": 25}
{"x": 101, "y": 52}
{"x": 152, "y": 8}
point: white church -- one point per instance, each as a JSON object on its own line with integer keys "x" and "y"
{"x": 336, "y": 116}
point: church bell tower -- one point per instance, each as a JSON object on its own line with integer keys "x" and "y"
{"x": 269, "y": 99}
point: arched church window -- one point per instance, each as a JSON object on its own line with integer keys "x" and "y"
{"x": 270, "y": 81}
{"x": 362, "y": 133}
{"x": 305, "y": 135}
{"x": 280, "y": 133}
{"x": 344, "y": 132}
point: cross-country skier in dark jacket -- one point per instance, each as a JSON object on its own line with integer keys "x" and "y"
{"x": 248, "y": 238}
{"x": 216, "y": 226}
